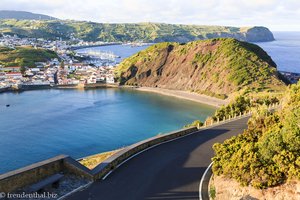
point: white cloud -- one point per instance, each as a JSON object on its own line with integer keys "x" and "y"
{"x": 276, "y": 14}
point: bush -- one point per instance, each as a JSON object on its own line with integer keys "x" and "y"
{"x": 268, "y": 152}
{"x": 196, "y": 123}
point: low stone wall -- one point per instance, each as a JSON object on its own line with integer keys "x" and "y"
{"x": 34, "y": 87}
{"x": 20, "y": 178}
{"x": 74, "y": 167}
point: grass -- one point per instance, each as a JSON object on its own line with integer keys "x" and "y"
{"x": 24, "y": 56}
{"x": 212, "y": 192}
{"x": 92, "y": 161}
{"x": 228, "y": 65}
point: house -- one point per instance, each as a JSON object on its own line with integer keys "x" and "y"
{"x": 110, "y": 79}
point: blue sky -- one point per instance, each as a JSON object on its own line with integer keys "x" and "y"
{"x": 278, "y": 15}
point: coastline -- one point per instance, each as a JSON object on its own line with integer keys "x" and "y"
{"x": 200, "y": 98}
{"x": 44, "y": 87}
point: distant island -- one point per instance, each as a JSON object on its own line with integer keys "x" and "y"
{"x": 31, "y": 25}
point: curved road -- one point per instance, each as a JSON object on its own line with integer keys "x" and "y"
{"x": 169, "y": 171}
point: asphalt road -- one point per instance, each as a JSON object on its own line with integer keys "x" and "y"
{"x": 170, "y": 171}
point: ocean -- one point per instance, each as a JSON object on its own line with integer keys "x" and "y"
{"x": 285, "y": 50}
{"x": 41, "y": 124}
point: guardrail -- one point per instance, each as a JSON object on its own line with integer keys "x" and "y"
{"x": 204, "y": 182}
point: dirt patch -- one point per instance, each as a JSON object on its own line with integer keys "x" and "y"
{"x": 226, "y": 188}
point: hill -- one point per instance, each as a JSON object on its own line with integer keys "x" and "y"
{"x": 22, "y": 15}
{"x": 146, "y": 32}
{"x": 217, "y": 67}
{"x": 24, "y": 56}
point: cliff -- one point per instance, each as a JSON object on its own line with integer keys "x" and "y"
{"x": 129, "y": 32}
{"x": 217, "y": 67}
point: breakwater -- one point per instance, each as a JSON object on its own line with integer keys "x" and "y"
{"x": 96, "y": 45}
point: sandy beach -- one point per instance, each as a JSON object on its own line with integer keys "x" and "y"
{"x": 186, "y": 95}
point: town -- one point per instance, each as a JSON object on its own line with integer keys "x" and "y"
{"x": 65, "y": 70}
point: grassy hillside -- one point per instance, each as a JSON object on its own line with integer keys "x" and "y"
{"x": 217, "y": 67}
{"x": 268, "y": 152}
{"x": 147, "y": 32}
{"x": 24, "y": 56}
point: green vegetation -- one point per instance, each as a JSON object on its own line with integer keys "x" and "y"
{"x": 240, "y": 105}
{"x": 244, "y": 103}
{"x": 24, "y": 56}
{"x": 147, "y": 32}
{"x": 92, "y": 161}
{"x": 216, "y": 67}
{"x": 268, "y": 152}
{"x": 196, "y": 123}
{"x": 210, "y": 93}
{"x": 212, "y": 192}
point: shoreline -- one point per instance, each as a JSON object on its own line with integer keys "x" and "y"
{"x": 199, "y": 98}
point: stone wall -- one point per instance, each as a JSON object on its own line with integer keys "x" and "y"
{"x": 20, "y": 178}
{"x": 28, "y": 175}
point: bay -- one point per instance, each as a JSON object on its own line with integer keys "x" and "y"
{"x": 41, "y": 124}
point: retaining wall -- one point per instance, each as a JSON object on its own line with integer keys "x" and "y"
{"x": 20, "y": 178}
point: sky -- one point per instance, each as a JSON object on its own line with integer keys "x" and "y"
{"x": 277, "y": 15}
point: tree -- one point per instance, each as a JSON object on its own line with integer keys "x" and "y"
{"x": 23, "y": 70}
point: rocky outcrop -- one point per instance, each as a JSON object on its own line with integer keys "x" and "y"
{"x": 253, "y": 34}
{"x": 258, "y": 34}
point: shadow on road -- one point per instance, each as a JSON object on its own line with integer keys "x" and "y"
{"x": 169, "y": 171}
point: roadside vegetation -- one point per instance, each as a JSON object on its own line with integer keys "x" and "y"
{"x": 267, "y": 153}
{"x": 92, "y": 161}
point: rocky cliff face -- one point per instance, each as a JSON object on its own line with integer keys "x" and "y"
{"x": 217, "y": 67}
{"x": 258, "y": 34}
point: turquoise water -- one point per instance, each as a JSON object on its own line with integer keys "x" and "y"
{"x": 44, "y": 123}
